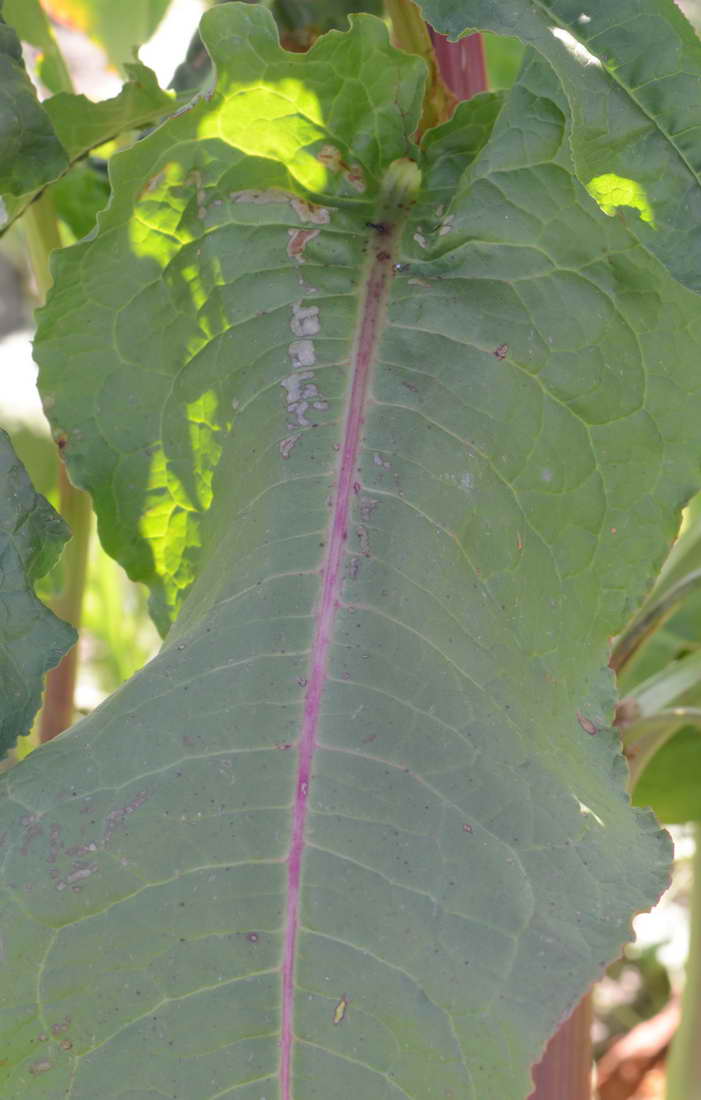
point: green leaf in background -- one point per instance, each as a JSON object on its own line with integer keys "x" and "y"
{"x": 671, "y": 782}
{"x": 666, "y": 673}
{"x": 320, "y": 15}
{"x": 632, "y": 74}
{"x": 30, "y": 153}
{"x": 32, "y": 639}
{"x": 503, "y": 57}
{"x": 299, "y": 23}
{"x": 401, "y": 463}
{"x": 81, "y": 125}
{"x": 119, "y": 26}
{"x": 79, "y": 196}
{"x": 31, "y": 24}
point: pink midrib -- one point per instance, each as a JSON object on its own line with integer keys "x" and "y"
{"x": 370, "y": 322}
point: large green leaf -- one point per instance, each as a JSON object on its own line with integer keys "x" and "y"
{"x": 632, "y": 73}
{"x": 32, "y": 639}
{"x": 401, "y": 470}
{"x": 30, "y": 152}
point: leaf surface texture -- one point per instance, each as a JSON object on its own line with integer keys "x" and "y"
{"x": 395, "y": 467}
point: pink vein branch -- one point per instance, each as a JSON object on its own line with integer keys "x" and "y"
{"x": 370, "y": 322}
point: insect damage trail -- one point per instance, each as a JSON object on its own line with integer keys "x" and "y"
{"x": 399, "y": 187}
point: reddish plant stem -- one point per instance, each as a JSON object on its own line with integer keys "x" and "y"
{"x": 564, "y": 1071}
{"x": 462, "y": 64}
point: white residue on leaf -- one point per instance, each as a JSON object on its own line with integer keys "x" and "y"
{"x": 380, "y": 461}
{"x": 297, "y": 394}
{"x": 301, "y": 392}
{"x": 580, "y": 52}
{"x": 305, "y": 320}
{"x": 446, "y": 225}
{"x": 420, "y": 239}
{"x": 302, "y": 354}
{"x": 286, "y": 445}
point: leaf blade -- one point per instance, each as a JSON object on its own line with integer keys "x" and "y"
{"x": 457, "y": 846}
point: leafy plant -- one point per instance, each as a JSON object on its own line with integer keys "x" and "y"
{"x": 396, "y": 424}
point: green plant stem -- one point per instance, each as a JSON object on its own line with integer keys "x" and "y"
{"x": 645, "y": 737}
{"x": 684, "y": 1062}
{"x": 43, "y": 236}
{"x": 42, "y": 233}
{"x": 58, "y": 707}
{"x": 651, "y": 618}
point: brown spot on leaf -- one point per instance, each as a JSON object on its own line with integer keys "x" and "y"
{"x": 586, "y": 724}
